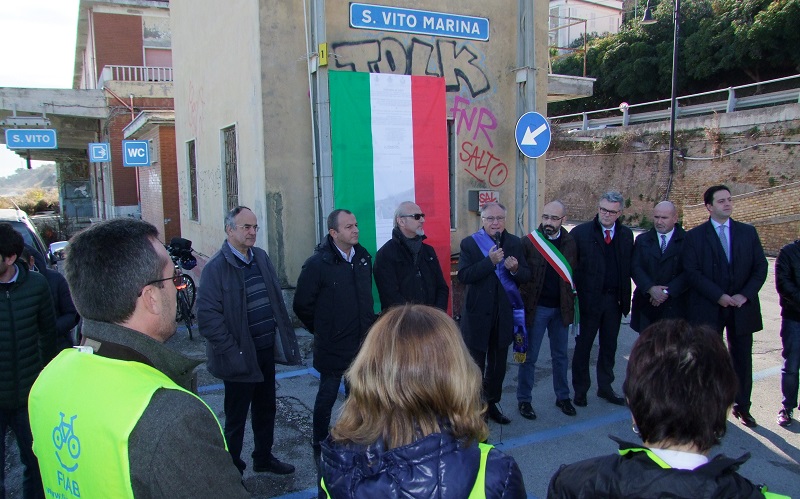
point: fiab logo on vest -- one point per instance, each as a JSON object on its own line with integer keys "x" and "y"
{"x": 68, "y": 450}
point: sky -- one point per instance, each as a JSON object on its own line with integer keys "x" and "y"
{"x": 38, "y": 51}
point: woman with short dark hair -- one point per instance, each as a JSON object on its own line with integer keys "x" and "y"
{"x": 413, "y": 420}
{"x": 680, "y": 386}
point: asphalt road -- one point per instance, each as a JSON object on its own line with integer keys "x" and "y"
{"x": 539, "y": 446}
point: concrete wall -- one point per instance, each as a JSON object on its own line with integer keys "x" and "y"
{"x": 218, "y": 83}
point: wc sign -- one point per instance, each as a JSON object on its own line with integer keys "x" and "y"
{"x": 135, "y": 153}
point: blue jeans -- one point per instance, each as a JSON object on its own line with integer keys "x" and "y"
{"x": 790, "y": 336}
{"x": 550, "y": 319}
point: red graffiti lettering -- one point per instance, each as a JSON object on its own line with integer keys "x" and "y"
{"x": 487, "y": 197}
{"x": 483, "y": 165}
{"x": 485, "y": 122}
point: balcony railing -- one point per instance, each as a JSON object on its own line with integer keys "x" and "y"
{"x": 134, "y": 73}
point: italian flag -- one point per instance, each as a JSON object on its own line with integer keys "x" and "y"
{"x": 389, "y": 145}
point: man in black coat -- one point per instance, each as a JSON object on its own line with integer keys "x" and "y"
{"x": 603, "y": 282}
{"x": 333, "y": 299}
{"x": 406, "y": 269}
{"x": 487, "y": 315}
{"x": 657, "y": 270}
{"x": 726, "y": 267}
{"x": 787, "y": 282}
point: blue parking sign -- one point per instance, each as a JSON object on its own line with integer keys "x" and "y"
{"x": 135, "y": 153}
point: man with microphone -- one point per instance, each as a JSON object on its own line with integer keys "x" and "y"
{"x": 492, "y": 267}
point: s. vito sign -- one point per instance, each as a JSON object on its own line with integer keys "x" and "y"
{"x": 422, "y": 22}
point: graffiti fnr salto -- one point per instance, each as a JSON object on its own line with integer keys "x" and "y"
{"x": 388, "y": 55}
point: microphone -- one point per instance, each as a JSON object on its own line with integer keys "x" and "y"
{"x": 497, "y": 239}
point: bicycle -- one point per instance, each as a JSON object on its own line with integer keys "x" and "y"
{"x": 180, "y": 250}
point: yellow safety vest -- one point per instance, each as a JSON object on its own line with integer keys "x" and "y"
{"x": 478, "y": 490}
{"x": 83, "y": 408}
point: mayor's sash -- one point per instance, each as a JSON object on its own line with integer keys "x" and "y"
{"x": 559, "y": 263}
{"x": 485, "y": 243}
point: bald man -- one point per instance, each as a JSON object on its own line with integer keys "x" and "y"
{"x": 657, "y": 270}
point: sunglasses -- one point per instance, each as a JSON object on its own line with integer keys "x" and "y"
{"x": 415, "y": 216}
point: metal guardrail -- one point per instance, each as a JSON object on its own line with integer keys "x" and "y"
{"x": 134, "y": 73}
{"x": 626, "y": 114}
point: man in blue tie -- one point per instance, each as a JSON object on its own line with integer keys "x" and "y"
{"x": 725, "y": 265}
{"x": 657, "y": 270}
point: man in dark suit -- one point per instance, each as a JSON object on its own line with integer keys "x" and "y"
{"x": 657, "y": 270}
{"x": 492, "y": 267}
{"x": 603, "y": 282}
{"x": 726, "y": 267}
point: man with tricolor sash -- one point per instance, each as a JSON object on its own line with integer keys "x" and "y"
{"x": 549, "y": 299}
{"x": 492, "y": 267}
{"x": 603, "y": 281}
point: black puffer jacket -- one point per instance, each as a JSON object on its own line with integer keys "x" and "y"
{"x": 787, "y": 280}
{"x": 401, "y": 279}
{"x": 435, "y": 466}
{"x": 66, "y": 315}
{"x": 634, "y": 474}
{"x": 27, "y": 335}
{"x": 334, "y": 301}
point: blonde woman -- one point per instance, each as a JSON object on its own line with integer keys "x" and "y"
{"x": 413, "y": 420}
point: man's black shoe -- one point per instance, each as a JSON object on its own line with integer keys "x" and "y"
{"x": 580, "y": 400}
{"x": 273, "y": 465}
{"x": 497, "y": 416}
{"x": 744, "y": 417}
{"x": 566, "y": 407}
{"x": 611, "y": 396}
{"x": 526, "y": 411}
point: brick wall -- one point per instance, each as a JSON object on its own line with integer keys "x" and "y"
{"x": 635, "y": 162}
{"x": 774, "y": 212}
{"x": 123, "y": 179}
{"x": 118, "y": 40}
{"x": 169, "y": 182}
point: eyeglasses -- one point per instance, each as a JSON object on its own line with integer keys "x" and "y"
{"x": 551, "y": 217}
{"x": 609, "y": 212}
{"x": 415, "y": 216}
{"x": 177, "y": 279}
{"x": 247, "y": 227}
{"x": 493, "y": 219}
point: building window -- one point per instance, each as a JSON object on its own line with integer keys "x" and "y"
{"x": 191, "y": 157}
{"x": 452, "y": 154}
{"x": 231, "y": 169}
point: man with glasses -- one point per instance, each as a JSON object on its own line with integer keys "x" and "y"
{"x": 549, "y": 305}
{"x": 492, "y": 267}
{"x": 406, "y": 269}
{"x": 119, "y": 415}
{"x": 241, "y": 313}
{"x": 603, "y": 282}
{"x": 657, "y": 270}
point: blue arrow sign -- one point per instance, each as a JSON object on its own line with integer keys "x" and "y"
{"x": 533, "y": 134}
{"x": 99, "y": 152}
{"x": 31, "y": 138}
{"x": 135, "y": 153}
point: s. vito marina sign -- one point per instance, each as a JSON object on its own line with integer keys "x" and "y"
{"x": 423, "y": 22}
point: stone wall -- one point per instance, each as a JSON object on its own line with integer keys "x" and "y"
{"x": 749, "y": 151}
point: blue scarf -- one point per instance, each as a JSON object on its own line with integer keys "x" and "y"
{"x": 485, "y": 243}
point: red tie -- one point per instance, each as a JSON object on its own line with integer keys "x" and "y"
{"x": 608, "y": 236}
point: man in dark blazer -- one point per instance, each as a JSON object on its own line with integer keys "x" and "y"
{"x": 657, "y": 270}
{"x": 726, "y": 267}
{"x": 603, "y": 282}
{"x": 487, "y": 315}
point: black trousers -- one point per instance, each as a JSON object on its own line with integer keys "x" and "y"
{"x": 17, "y": 420}
{"x": 740, "y": 346}
{"x": 492, "y": 364}
{"x": 258, "y": 397}
{"x": 327, "y": 394}
{"x": 606, "y": 322}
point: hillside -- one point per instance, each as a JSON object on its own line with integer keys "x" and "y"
{"x": 43, "y": 177}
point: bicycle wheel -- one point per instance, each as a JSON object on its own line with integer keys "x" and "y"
{"x": 184, "y": 311}
{"x": 190, "y": 290}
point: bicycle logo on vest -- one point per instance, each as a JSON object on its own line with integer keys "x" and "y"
{"x": 64, "y": 435}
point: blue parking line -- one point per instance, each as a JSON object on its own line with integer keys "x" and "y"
{"x": 288, "y": 374}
